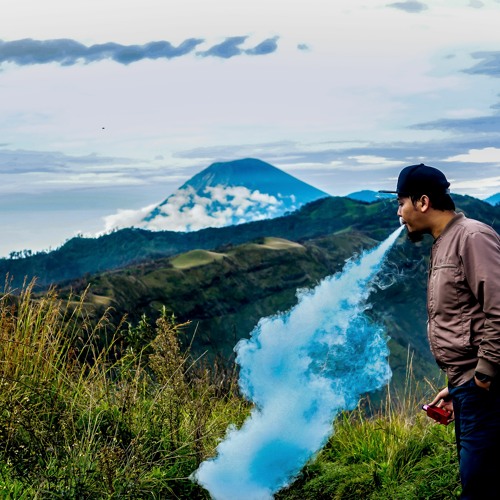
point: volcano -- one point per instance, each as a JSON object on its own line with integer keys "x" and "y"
{"x": 230, "y": 193}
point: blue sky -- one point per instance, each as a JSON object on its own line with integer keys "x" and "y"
{"x": 110, "y": 105}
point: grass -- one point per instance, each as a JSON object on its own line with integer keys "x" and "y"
{"x": 85, "y": 412}
{"x": 93, "y": 410}
{"x": 195, "y": 258}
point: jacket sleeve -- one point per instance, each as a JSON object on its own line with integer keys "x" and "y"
{"x": 481, "y": 261}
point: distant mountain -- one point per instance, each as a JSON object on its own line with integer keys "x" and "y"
{"x": 493, "y": 200}
{"x": 231, "y": 193}
{"x": 369, "y": 196}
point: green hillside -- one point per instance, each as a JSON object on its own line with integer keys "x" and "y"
{"x": 224, "y": 294}
{"x": 82, "y": 256}
{"x": 235, "y": 276}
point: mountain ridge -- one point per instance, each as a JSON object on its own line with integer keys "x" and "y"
{"x": 82, "y": 256}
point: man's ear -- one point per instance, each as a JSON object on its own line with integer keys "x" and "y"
{"x": 425, "y": 203}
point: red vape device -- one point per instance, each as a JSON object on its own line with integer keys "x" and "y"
{"x": 438, "y": 414}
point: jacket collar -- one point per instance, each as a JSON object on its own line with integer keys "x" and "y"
{"x": 456, "y": 219}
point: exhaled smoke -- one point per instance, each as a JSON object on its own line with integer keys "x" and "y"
{"x": 301, "y": 369}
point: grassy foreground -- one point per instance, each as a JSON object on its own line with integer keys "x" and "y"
{"x": 91, "y": 410}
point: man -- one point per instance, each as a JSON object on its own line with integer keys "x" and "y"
{"x": 463, "y": 306}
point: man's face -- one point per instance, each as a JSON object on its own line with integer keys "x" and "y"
{"x": 411, "y": 217}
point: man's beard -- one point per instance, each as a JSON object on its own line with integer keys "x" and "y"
{"x": 415, "y": 236}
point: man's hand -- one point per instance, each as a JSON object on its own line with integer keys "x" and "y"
{"x": 443, "y": 400}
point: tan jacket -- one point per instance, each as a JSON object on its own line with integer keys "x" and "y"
{"x": 463, "y": 300}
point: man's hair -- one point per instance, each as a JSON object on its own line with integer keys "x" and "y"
{"x": 440, "y": 201}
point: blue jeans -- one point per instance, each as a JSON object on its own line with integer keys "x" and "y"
{"x": 477, "y": 429}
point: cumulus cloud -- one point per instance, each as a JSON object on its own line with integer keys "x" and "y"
{"x": 216, "y": 206}
{"x": 67, "y": 52}
{"x": 412, "y": 6}
{"x": 126, "y": 218}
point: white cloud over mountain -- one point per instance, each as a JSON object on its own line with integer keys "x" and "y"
{"x": 187, "y": 210}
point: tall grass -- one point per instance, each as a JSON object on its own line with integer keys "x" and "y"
{"x": 85, "y": 413}
{"x": 92, "y": 410}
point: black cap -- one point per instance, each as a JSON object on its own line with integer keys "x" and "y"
{"x": 421, "y": 179}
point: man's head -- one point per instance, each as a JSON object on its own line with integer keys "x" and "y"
{"x": 423, "y": 190}
{"x": 417, "y": 180}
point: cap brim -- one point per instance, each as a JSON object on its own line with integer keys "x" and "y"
{"x": 385, "y": 191}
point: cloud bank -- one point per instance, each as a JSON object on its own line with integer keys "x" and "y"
{"x": 67, "y": 52}
{"x": 216, "y": 206}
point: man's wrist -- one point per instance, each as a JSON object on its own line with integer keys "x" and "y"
{"x": 482, "y": 377}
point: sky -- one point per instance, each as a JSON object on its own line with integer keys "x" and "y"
{"x": 112, "y": 105}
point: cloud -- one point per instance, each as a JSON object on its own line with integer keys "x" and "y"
{"x": 227, "y": 49}
{"x": 230, "y": 47}
{"x": 303, "y": 46}
{"x": 25, "y": 161}
{"x": 409, "y": 6}
{"x": 485, "y": 155}
{"x": 369, "y": 162}
{"x": 489, "y": 64}
{"x": 476, "y": 4}
{"x": 229, "y": 152}
{"x": 266, "y": 47}
{"x": 188, "y": 210}
{"x": 478, "y": 125}
{"x": 479, "y": 186}
{"x": 126, "y": 218}
{"x": 67, "y": 52}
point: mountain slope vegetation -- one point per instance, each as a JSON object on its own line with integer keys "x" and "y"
{"x": 80, "y": 256}
{"x": 225, "y": 280}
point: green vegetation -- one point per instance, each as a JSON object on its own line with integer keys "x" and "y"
{"x": 88, "y": 410}
{"x": 82, "y": 417}
{"x": 81, "y": 256}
